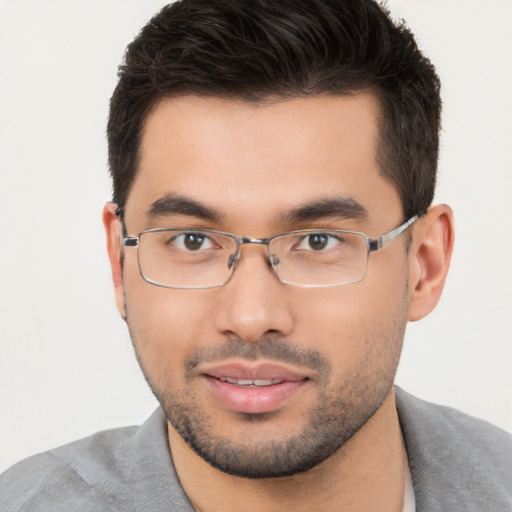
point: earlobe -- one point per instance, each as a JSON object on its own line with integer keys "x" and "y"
{"x": 112, "y": 225}
{"x": 429, "y": 260}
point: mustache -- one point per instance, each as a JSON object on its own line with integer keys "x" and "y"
{"x": 269, "y": 348}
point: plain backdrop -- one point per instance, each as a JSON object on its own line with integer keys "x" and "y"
{"x": 66, "y": 363}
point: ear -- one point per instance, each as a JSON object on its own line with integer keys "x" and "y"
{"x": 112, "y": 224}
{"x": 429, "y": 259}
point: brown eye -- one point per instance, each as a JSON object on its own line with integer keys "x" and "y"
{"x": 193, "y": 241}
{"x": 318, "y": 241}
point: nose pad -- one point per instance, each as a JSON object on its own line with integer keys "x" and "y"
{"x": 273, "y": 260}
{"x": 232, "y": 260}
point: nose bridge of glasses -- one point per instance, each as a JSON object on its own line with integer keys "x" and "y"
{"x": 248, "y": 240}
{"x": 245, "y": 240}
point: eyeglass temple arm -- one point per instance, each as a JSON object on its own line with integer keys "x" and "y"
{"x": 374, "y": 243}
{"x": 126, "y": 241}
{"x": 378, "y": 243}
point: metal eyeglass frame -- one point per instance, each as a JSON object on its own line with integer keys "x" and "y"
{"x": 372, "y": 244}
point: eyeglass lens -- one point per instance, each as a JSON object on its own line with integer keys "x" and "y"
{"x": 203, "y": 259}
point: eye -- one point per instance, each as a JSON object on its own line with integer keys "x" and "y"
{"x": 318, "y": 242}
{"x": 192, "y": 241}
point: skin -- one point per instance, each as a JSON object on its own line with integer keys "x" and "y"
{"x": 252, "y": 164}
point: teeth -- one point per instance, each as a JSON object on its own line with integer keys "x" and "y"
{"x": 251, "y": 382}
{"x": 231, "y": 381}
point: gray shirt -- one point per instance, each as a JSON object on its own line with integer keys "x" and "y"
{"x": 458, "y": 463}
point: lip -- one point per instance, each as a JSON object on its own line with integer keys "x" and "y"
{"x": 257, "y": 399}
{"x": 259, "y": 371}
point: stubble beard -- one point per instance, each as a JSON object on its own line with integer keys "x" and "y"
{"x": 342, "y": 409}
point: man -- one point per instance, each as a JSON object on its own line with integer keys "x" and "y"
{"x": 270, "y": 235}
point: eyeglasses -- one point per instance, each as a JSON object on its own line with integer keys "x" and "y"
{"x": 204, "y": 258}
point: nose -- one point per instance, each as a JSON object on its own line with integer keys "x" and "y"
{"x": 254, "y": 303}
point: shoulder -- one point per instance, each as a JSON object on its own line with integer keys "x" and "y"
{"x": 91, "y": 471}
{"x": 441, "y": 424}
{"x": 128, "y": 469}
{"x": 455, "y": 457}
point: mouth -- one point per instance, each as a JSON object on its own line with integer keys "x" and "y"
{"x": 253, "y": 383}
{"x": 253, "y": 389}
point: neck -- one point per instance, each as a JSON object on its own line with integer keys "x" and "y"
{"x": 365, "y": 474}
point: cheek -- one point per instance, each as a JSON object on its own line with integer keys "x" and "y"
{"x": 166, "y": 325}
{"x": 360, "y": 321}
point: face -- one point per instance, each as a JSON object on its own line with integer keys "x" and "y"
{"x": 262, "y": 378}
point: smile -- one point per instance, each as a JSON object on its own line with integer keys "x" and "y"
{"x": 239, "y": 386}
{"x": 250, "y": 382}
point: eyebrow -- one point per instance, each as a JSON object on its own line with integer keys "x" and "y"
{"x": 174, "y": 204}
{"x": 344, "y": 207}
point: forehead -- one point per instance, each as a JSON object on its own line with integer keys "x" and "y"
{"x": 256, "y": 161}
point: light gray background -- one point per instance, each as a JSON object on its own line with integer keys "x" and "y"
{"x": 66, "y": 364}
